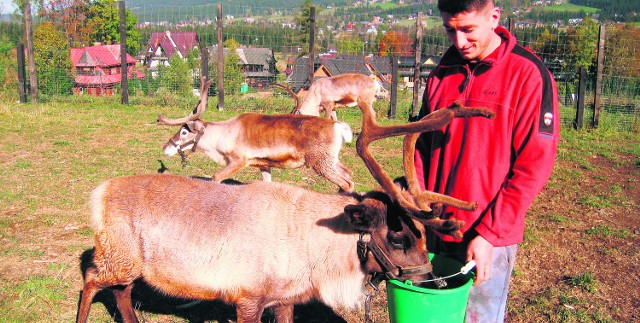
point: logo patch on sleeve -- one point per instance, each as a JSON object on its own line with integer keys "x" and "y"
{"x": 548, "y": 119}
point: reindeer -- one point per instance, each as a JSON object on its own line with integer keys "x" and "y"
{"x": 266, "y": 244}
{"x": 343, "y": 90}
{"x": 263, "y": 141}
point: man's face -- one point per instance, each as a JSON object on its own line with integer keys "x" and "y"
{"x": 472, "y": 32}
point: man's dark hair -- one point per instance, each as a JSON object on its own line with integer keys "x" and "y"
{"x": 457, "y": 6}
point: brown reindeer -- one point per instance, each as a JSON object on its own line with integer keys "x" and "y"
{"x": 264, "y": 244}
{"x": 341, "y": 90}
{"x": 263, "y": 141}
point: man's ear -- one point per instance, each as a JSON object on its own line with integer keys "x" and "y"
{"x": 495, "y": 15}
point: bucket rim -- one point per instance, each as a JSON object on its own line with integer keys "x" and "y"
{"x": 423, "y": 290}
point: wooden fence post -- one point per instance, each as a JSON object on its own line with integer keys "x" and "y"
{"x": 394, "y": 88}
{"x": 124, "y": 74}
{"x": 582, "y": 79}
{"x": 598, "y": 85}
{"x": 415, "y": 109}
{"x": 28, "y": 31}
{"x": 220, "y": 59}
{"x": 204, "y": 62}
{"x": 22, "y": 75}
{"x": 312, "y": 36}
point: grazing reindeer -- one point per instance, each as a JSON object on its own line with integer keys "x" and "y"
{"x": 265, "y": 244}
{"x": 263, "y": 141}
{"x": 327, "y": 92}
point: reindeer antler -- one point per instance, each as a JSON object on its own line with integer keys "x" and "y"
{"x": 197, "y": 111}
{"x": 290, "y": 91}
{"x": 415, "y": 201}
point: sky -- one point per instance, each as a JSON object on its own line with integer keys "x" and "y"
{"x": 7, "y": 6}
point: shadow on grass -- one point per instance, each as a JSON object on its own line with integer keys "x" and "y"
{"x": 149, "y": 300}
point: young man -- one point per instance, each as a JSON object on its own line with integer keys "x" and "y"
{"x": 502, "y": 164}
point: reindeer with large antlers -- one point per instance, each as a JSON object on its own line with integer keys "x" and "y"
{"x": 414, "y": 200}
{"x": 263, "y": 141}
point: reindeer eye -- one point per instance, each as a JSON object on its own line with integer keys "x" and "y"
{"x": 397, "y": 242}
{"x": 184, "y": 132}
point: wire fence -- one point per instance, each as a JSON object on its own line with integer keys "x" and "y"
{"x": 264, "y": 45}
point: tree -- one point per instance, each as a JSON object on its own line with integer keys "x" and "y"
{"x": 233, "y": 76}
{"x": 349, "y": 44}
{"x": 583, "y": 43}
{"x": 103, "y": 19}
{"x": 9, "y": 66}
{"x": 86, "y": 21}
{"x": 53, "y": 62}
{"x": 622, "y": 56}
{"x": 176, "y": 77}
{"x": 395, "y": 43}
{"x": 69, "y": 16}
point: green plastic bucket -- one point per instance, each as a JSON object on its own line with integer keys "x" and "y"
{"x": 412, "y": 304}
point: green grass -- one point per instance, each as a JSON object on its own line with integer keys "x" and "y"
{"x": 586, "y": 281}
{"x": 606, "y": 231}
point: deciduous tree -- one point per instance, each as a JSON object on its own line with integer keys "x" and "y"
{"x": 69, "y": 17}
{"x": 104, "y": 22}
{"x": 396, "y": 43}
{"x": 53, "y": 63}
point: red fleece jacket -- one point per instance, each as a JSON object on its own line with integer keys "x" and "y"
{"x": 502, "y": 164}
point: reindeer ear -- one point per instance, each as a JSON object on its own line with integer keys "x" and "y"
{"x": 195, "y": 126}
{"x": 362, "y": 217}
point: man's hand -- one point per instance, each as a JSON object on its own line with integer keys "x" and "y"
{"x": 480, "y": 250}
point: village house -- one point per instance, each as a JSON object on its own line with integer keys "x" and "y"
{"x": 258, "y": 65}
{"x": 164, "y": 45}
{"x": 97, "y": 69}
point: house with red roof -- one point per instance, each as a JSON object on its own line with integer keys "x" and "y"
{"x": 164, "y": 45}
{"x": 97, "y": 69}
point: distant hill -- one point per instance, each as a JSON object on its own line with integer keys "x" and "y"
{"x": 616, "y": 10}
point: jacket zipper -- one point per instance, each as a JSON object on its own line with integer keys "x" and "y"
{"x": 465, "y": 83}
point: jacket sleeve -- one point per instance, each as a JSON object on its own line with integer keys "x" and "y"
{"x": 534, "y": 149}
{"x": 421, "y": 152}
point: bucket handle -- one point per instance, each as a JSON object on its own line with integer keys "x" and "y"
{"x": 463, "y": 271}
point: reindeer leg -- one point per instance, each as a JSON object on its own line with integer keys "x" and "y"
{"x": 123, "y": 301}
{"x": 248, "y": 311}
{"x": 233, "y": 166}
{"x": 266, "y": 173}
{"x": 95, "y": 281}
{"x": 335, "y": 173}
{"x": 284, "y": 313}
{"x": 89, "y": 291}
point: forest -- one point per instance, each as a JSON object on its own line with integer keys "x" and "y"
{"x": 614, "y": 10}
